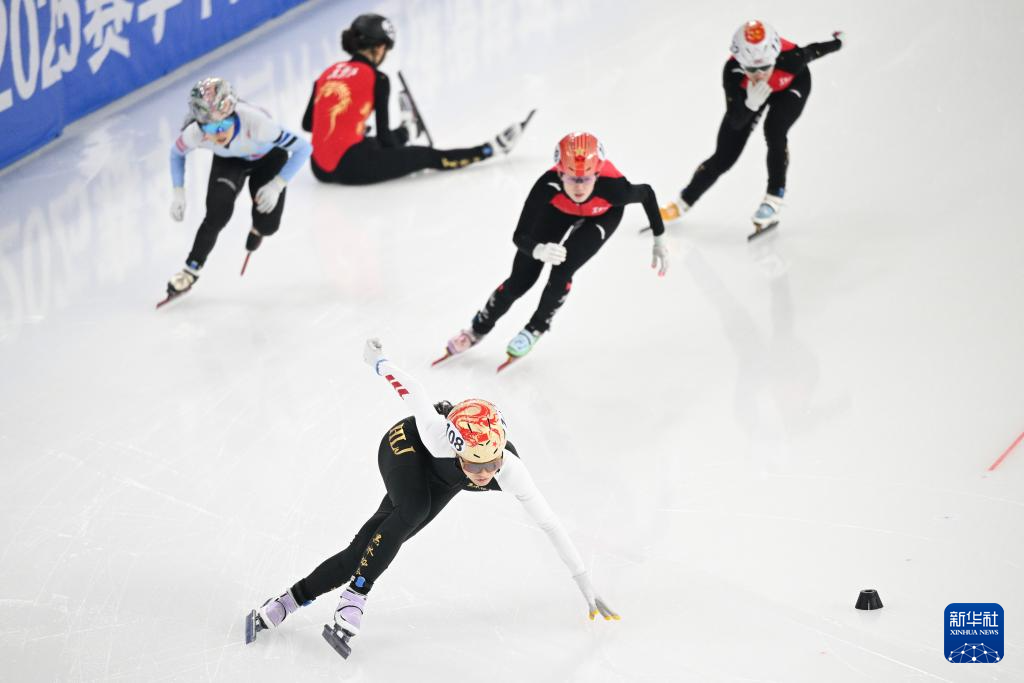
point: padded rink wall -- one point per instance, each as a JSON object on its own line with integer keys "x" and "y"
{"x": 62, "y": 59}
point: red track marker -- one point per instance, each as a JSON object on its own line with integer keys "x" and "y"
{"x": 1001, "y": 458}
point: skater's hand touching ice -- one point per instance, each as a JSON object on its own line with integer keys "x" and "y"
{"x": 373, "y": 353}
{"x": 550, "y": 252}
{"x": 178, "y": 204}
{"x": 595, "y": 605}
{"x": 757, "y": 94}
{"x": 659, "y": 256}
{"x": 267, "y": 196}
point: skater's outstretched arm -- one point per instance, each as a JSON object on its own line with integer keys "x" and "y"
{"x": 514, "y": 478}
{"x": 813, "y": 51}
{"x": 428, "y": 422}
{"x": 619, "y": 192}
{"x": 185, "y": 143}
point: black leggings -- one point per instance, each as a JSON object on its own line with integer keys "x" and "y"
{"x": 588, "y": 236}
{"x": 227, "y": 176}
{"x": 368, "y": 162}
{"x": 414, "y": 497}
{"x": 784, "y": 108}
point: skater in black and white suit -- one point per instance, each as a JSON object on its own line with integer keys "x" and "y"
{"x": 425, "y": 460}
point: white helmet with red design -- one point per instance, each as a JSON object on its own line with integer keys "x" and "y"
{"x": 476, "y": 431}
{"x": 756, "y": 44}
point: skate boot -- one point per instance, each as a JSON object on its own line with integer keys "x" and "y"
{"x": 767, "y": 215}
{"x": 270, "y": 615}
{"x": 508, "y": 138}
{"x": 274, "y": 611}
{"x": 522, "y": 343}
{"x": 181, "y": 283}
{"x": 348, "y": 616}
{"x": 463, "y": 341}
{"x": 674, "y": 210}
{"x": 253, "y": 240}
{"x": 347, "y": 619}
{"x": 768, "y": 212}
{"x": 252, "y": 243}
{"x": 519, "y": 346}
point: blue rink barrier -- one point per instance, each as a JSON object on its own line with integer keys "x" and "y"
{"x": 61, "y": 59}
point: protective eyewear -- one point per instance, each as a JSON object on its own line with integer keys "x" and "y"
{"x": 481, "y": 467}
{"x": 215, "y": 127}
{"x": 578, "y": 179}
{"x": 755, "y": 69}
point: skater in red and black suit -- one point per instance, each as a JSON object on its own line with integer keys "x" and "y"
{"x": 340, "y": 105}
{"x": 571, "y": 212}
{"x": 765, "y": 72}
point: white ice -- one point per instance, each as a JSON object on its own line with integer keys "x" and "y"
{"x": 737, "y": 449}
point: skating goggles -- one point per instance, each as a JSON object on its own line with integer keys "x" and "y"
{"x": 578, "y": 179}
{"x": 755, "y": 69}
{"x": 481, "y": 467}
{"x": 215, "y": 127}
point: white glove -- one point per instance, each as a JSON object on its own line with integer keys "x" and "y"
{"x": 757, "y": 94}
{"x": 267, "y": 196}
{"x": 373, "y": 353}
{"x": 550, "y": 252}
{"x": 595, "y": 604}
{"x": 178, "y": 204}
{"x": 659, "y": 256}
{"x": 841, "y": 37}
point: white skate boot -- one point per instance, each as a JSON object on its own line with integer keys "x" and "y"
{"x": 270, "y": 615}
{"x": 348, "y": 618}
{"x": 767, "y": 215}
{"x": 508, "y": 138}
{"x": 180, "y": 283}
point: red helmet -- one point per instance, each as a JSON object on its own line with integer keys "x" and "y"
{"x": 579, "y": 154}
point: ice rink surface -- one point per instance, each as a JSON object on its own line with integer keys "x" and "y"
{"x": 737, "y": 448}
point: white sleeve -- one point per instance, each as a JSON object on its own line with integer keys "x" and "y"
{"x": 265, "y": 129}
{"x": 429, "y": 423}
{"x": 260, "y": 126}
{"x": 515, "y": 479}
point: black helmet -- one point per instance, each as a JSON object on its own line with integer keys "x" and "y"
{"x": 368, "y": 30}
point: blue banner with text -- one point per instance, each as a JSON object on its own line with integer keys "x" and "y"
{"x": 61, "y": 59}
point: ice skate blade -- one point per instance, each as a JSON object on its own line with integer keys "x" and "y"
{"x": 509, "y": 361}
{"x": 245, "y": 263}
{"x": 338, "y": 640}
{"x": 172, "y": 297}
{"x": 758, "y": 231}
{"x": 446, "y": 356}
